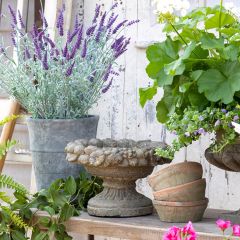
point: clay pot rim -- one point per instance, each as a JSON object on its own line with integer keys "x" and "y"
{"x": 181, "y": 204}
{"x": 170, "y": 189}
{"x": 161, "y": 171}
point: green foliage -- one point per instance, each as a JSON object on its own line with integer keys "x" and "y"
{"x": 198, "y": 67}
{"x": 8, "y": 182}
{"x": 62, "y": 200}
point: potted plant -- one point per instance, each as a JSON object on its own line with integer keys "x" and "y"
{"x": 57, "y": 82}
{"x": 199, "y": 70}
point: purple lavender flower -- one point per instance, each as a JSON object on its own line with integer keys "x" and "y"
{"x": 224, "y": 110}
{"x": 201, "y": 131}
{"x": 79, "y": 37}
{"x": 73, "y": 53}
{"x": 91, "y": 30}
{"x": 14, "y": 18}
{"x": 71, "y": 36}
{"x": 133, "y": 22}
{"x": 111, "y": 21}
{"x": 217, "y": 123}
{"x": 97, "y": 11}
{"x": 106, "y": 76}
{"x": 235, "y": 118}
{"x": 84, "y": 50}
{"x": 107, "y": 87}
{"x": 65, "y": 50}
{"x": 118, "y": 54}
{"x": 13, "y": 40}
{"x": 27, "y": 53}
{"x": 50, "y": 41}
{"x": 34, "y": 31}
{"x": 44, "y": 62}
{"x": 60, "y": 23}
{"x": 114, "y": 6}
{"x": 118, "y": 42}
{"x": 101, "y": 27}
{"x": 114, "y": 73}
{"x": 70, "y": 70}
{"x": 44, "y": 20}
{"x": 37, "y": 50}
{"x": 187, "y": 134}
{"x": 76, "y": 24}
{"x": 20, "y": 19}
{"x": 119, "y": 26}
{"x": 57, "y": 52}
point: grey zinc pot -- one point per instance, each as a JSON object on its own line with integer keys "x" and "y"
{"x": 48, "y": 139}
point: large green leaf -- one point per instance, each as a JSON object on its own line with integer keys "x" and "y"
{"x": 231, "y": 52}
{"x": 164, "y": 79}
{"x": 70, "y": 185}
{"x": 209, "y": 41}
{"x": 160, "y": 54}
{"x": 221, "y": 85}
{"x": 175, "y": 68}
{"x": 166, "y": 106}
{"x": 147, "y": 94}
{"x": 213, "y": 22}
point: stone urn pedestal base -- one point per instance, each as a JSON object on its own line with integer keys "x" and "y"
{"x": 119, "y": 197}
{"x": 119, "y": 164}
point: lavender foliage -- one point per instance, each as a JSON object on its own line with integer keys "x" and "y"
{"x": 64, "y": 78}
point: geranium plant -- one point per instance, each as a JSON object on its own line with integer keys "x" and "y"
{"x": 198, "y": 67}
{"x": 63, "y": 78}
{"x": 188, "y": 232}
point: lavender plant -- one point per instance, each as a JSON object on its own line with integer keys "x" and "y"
{"x": 62, "y": 79}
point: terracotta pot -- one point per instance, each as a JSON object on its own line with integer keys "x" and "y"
{"x": 193, "y": 191}
{"x": 175, "y": 175}
{"x": 180, "y": 211}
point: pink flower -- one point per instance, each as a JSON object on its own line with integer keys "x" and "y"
{"x": 174, "y": 233}
{"x": 236, "y": 230}
{"x": 189, "y": 232}
{"x": 222, "y": 224}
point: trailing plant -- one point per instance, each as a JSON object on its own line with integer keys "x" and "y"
{"x": 63, "y": 78}
{"x": 198, "y": 67}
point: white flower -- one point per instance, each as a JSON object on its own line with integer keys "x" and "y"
{"x": 171, "y": 6}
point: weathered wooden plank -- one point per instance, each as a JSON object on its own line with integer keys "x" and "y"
{"x": 140, "y": 228}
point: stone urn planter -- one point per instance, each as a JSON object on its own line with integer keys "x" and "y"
{"x": 228, "y": 160}
{"x": 48, "y": 139}
{"x": 119, "y": 164}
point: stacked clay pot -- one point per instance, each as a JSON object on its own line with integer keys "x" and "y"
{"x": 179, "y": 192}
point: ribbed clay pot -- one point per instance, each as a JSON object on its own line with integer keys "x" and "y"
{"x": 180, "y": 211}
{"x": 48, "y": 138}
{"x": 175, "y": 175}
{"x": 193, "y": 191}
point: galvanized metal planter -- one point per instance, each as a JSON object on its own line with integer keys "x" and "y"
{"x": 48, "y": 139}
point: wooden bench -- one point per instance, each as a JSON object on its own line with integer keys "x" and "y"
{"x": 139, "y": 228}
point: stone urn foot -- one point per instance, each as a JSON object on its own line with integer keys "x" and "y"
{"x": 119, "y": 164}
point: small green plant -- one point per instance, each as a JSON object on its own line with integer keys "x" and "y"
{"x": 198, "y": 67}
{"x": 62, "y": 200}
